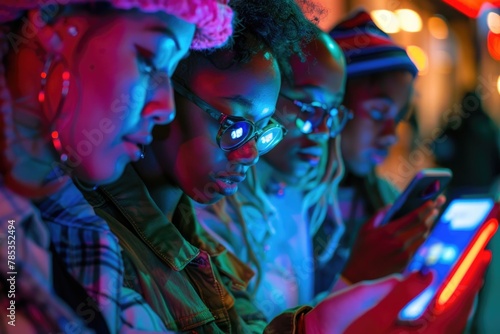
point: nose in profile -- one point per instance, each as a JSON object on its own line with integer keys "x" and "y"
{"x": 160, "y": 106}
{"x": 246, "y": 155}
{"x": 388, "y": 135}
{"x": 321, "y": 133}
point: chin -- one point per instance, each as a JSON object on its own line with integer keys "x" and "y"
{"x": 298, "y": 169}
{"x": 204, "y": 199}
{"x": 214, "y": 199}
{"x": 360, "y": 168}
{"x": 101, "y": 177}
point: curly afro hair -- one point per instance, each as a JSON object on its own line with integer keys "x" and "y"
{"x": 275, "y": 25}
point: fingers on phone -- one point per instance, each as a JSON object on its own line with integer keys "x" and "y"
{"x": 440, "y": 201}
{"x": 413, "y": 244}
{"x": 413, "y": 218}
{"x": 407, "y": 289}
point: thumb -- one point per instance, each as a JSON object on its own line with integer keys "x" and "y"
{"x": 335, "y": 313}
{"x": 384, "y": 314}
{"x": 377, "y": 219}
{"x": 370, "y": 292}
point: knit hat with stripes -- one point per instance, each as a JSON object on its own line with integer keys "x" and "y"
{"x": 367, "y": 48}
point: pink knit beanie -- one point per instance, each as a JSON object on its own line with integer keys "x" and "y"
{"x": 213, "y": 18}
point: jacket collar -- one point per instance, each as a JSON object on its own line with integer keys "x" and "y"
{"x": 130, "y": 197}
{"x": 177, "y": 242}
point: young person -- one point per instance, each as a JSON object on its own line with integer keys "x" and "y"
{"x": 278, "y": 242}
{"x": 306, "y": 104}
{"x": 82, "y": 86}
{"x": 225, "y": 99}
{"x": 380, "y": 78}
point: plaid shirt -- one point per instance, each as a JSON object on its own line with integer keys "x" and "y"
{"x": 23, "y": 234}
{"x": 92, "y": 255}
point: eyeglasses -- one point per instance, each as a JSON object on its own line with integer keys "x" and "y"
{"x": 312, "y": 115}
{"x": 235, "y": 131}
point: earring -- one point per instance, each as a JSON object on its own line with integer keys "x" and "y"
{"x": 65, "y": 76}
{"x": 142, "y": 152}
{"x": 56, "y": 142}
{"x": 73, "y": 31}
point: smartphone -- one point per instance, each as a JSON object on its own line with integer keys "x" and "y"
{"x": 461, "y": 233}
{"x": 427, "y": 185}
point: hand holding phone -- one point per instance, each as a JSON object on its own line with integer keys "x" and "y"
{"x": 459, "y": 237}
{"x": 379, "y": 251}
{"x": 356, "y": 308}
{"x": 382, "y": 318}
{"x": 427, "y": 185}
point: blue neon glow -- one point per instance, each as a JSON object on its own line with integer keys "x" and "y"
{"x": 237, "y": 133}
{"x": 267, "y": 138}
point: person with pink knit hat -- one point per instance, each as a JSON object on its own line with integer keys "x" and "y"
{"x": 82, "y": 83}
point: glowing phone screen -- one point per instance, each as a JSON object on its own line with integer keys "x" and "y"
{"x": 452, "y": 234}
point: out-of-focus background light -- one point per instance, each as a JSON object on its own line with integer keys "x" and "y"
{"x": 437, "y": 27}
{"x": 471, "y": 8}
{"x": 419, "y": 57}
{"x": 498, "y": 84}
{"x": 493, "y": 21}
{"x": 444, "y": 62}
{"x": 493, "y": 41}
{"x": 409, "y": 20}
{"x": 387, "y": 20}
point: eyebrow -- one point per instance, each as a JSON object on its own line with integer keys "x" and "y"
{"x": 165, "y": 31}
{"x": 243, "y": 101}
{"x": 240, "y": 100}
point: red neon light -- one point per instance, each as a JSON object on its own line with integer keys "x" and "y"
{"x": 482, "y": 238}
{"x": 41, "y": 97}
{"x": 470, "y": 8}
{"x": 493, "y": 43}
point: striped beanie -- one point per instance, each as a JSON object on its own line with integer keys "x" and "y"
{"x": 367, "y": 48}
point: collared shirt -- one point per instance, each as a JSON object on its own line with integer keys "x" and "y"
{"x": 92, "y": 255}
{"x": 189, "y": 279}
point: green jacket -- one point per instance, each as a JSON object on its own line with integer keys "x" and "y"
{"x": 189, "y": 280}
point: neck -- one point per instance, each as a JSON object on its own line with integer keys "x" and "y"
{"x": 272, "y": 181}
{"x": 164, "y": 193}
{"x": 166, "y": 197}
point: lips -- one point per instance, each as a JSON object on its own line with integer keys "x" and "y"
{"x": 311, "y": 154}
{"x": 134, "y": 144}
{"x": 380, "y": 155}
{"x": 312, "y": 150}
{"x": 139, "y": 139}
{"x": 228, "y": 184}
{"x": 231, "y": 178}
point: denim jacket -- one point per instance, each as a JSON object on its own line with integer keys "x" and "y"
{"x": 189, "y": 280}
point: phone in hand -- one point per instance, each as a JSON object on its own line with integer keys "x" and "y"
{"x": 461, "y": 233}
{"x": 427, "y": 185}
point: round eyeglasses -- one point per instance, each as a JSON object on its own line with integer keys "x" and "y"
{"x": 236, "y": 131}
{"x": 312, "y": 115}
